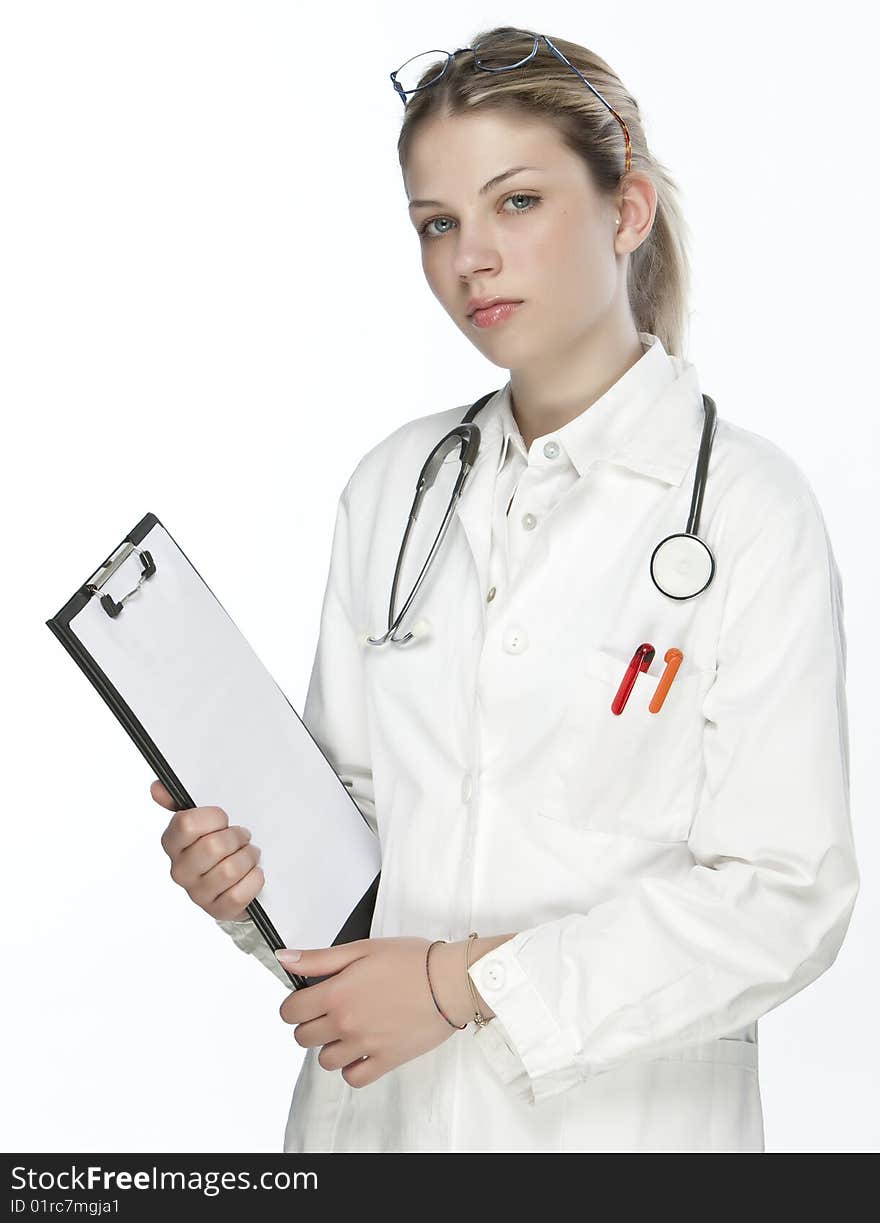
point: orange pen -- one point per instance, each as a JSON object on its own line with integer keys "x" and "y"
{"x": 672, "y": 658}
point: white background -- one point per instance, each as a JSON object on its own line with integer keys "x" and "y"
{"x": 212, "y": 306}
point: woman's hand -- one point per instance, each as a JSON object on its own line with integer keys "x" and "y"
{"x": 213, "y": 862}
{"x": 377, "y": 1004}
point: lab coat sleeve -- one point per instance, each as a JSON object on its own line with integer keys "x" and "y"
{"x": 762, "y": 912}
{"x": 334, "y": 711}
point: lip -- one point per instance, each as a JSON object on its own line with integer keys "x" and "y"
{"x": 483, "y": 303}
{"x": 492, "y": 316}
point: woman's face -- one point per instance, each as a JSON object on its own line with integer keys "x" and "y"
{"x": 542, "y": 236}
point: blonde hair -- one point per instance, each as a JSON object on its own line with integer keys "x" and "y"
{"x": 658, "y": 277}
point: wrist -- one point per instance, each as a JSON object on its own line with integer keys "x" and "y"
{"x": 450, "y": 978}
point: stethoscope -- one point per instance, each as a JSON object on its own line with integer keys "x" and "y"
{"x": 682, "y": 565}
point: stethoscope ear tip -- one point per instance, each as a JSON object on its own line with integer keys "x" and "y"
{"x": 421, "y": 629}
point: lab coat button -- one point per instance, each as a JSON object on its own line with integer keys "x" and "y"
{"x": 529, "y": 521}
{"x": 515, "y": 641}
{"x": 491, "y": 595}
{"x": 467, "y": 787}
{"x": 551, "y": 449}
{"x": 495, "y": 975}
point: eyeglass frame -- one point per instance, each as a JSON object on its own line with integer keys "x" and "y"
{"x": 450, "y": 56}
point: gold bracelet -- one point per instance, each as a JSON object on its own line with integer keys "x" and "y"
{"x": 458, "y": 1027}
{"x": 479, "y": 1019}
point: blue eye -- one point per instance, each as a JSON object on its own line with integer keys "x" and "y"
{"x": 522, "y": 195}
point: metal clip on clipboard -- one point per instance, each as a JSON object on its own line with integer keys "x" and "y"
{"x": 103, "y": 575}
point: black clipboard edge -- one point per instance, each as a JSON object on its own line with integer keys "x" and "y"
{"x": 360, "y": 918}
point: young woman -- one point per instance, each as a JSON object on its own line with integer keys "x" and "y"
{"x": 644, "y": 878}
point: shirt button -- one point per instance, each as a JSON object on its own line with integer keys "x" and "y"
{"x": 515, "y": 640}
{"x": 529, "y": 521}
{"x": 495, "y": 974}
{"x": 491, "y": 595}
{"x": 467, "y": 787}
{"x": 551, "y": 449}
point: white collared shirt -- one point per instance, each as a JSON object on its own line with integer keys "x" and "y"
{"x": 529, "y": 483}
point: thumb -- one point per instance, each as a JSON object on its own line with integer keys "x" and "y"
{"x": 159, "y": 794}
{"x": 322, "y": 961}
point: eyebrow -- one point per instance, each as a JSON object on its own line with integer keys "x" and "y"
{"x": 493, "y": 182}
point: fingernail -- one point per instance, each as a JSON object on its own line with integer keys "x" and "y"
{"x": 287, "y": 956}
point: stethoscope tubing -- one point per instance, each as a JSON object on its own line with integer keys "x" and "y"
{"x": 706, "y": 439}
{"x": 467, "y": 435}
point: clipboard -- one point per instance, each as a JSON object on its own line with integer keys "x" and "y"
{"x": 159, "y": 648}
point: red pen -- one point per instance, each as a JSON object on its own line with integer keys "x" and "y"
{"x": 641, "y": 660}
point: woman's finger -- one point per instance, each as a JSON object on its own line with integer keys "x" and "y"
{"x": 160, "y": 795}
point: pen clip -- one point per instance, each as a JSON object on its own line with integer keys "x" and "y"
{"x": 640, "y": 661}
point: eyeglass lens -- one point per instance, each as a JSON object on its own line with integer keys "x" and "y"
{"x": 409, "y": 74}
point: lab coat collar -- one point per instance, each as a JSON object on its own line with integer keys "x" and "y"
{"x": 655, "y": 432}
{"x": 648, "y": 421}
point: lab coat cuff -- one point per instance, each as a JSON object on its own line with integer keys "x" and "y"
{"x": 527, "y": 1027}
{"x": 242, "y": 932}
{"x": 247, "y": 938}
{"x": 495, "y": 1045}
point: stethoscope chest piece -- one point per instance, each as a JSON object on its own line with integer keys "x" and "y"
{"x": 682, "y": 566}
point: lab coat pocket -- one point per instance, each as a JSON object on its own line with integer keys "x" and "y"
{"x": 635, "y": 773}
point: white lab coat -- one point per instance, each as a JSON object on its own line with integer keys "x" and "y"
{"x": 672, "y": 876}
